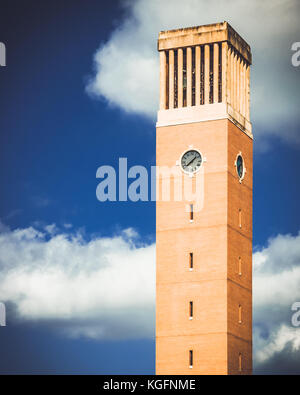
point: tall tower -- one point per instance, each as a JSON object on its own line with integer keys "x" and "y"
{"x": 204, "y": 258}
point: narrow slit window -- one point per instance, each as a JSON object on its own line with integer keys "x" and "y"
{"x": 202, "y": 75}
{"x": 184, "y": 78}
{"x": 240, "y": 314}
{"x": 191, "y": 310}
{"x": 193, "y": 77}
{"x": 240, "y": 266}
{"x": 211, "y": 74}
{"x": 191, "y": 358}
{"x": 240, "y": 218}
{"x": 220, "y": 74}
{"x": 167, "y": 80}
{"x": 175, "y": 78}
{"x": 240, "y": 362}
{"x": 191, "y": 212}
{"x": 191, "y": 260}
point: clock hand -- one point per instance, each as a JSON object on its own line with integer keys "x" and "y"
{"x": 194, "y": 161}
{"x": 191, "y": 161}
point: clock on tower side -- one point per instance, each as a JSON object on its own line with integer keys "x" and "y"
{"x": 204, "y": 258}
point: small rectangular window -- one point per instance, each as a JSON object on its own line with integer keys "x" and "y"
{"x": 240, "y": 218}
{"x": 240, "y": 314}
{"x": 191, "y": 310}
{"x": 192, "y": 212}
{"x": 240, "y": 266}
{"x": 191, "y": 358}
{"x": 191, "y": 261}
{"x": 240, "y": 362}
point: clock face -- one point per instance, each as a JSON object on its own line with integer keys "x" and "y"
{"x": 240, "y": 166}
{"x": 191, "y": 161}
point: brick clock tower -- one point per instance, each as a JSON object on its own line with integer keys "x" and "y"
{"x": 204, "y": 258}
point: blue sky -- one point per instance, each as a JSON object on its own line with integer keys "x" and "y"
{"x": 54, "y": 135}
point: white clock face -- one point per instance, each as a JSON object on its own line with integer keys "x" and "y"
{"x": 191, "y": 161}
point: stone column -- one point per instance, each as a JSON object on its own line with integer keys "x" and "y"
{"x": 247, "y": 112}
{"x": 216, "y": 73}
{"x": 232, "y": 78}
{"x": 189, "y": 76}
{"x": 242, "y": 96}
{"x": 206, "y": 74}
{"x": 163, "y": 80}
{"x": 225, "y": 71}
{"x": 198, "y": 74}
{"x": 179, "y": 74}
{"x": 171, "y": 78}
{"x": 237, "y": 82}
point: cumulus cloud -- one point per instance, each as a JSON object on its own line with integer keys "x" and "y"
{"x": 127, "y": 67}
{"x": 276, "y": 286}
{"x": 102, "y": 288}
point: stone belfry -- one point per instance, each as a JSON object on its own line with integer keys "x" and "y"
{"x": 204, "y": 257}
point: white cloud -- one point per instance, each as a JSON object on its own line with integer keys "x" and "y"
{"x": 278, "y": 340}
{"x": 130, "y": 233}
{"x": 103, "y": 288}
{"x": 126, "y": 67}
{"x": 276, "y": 286}
{"x": 51, "y": 229}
